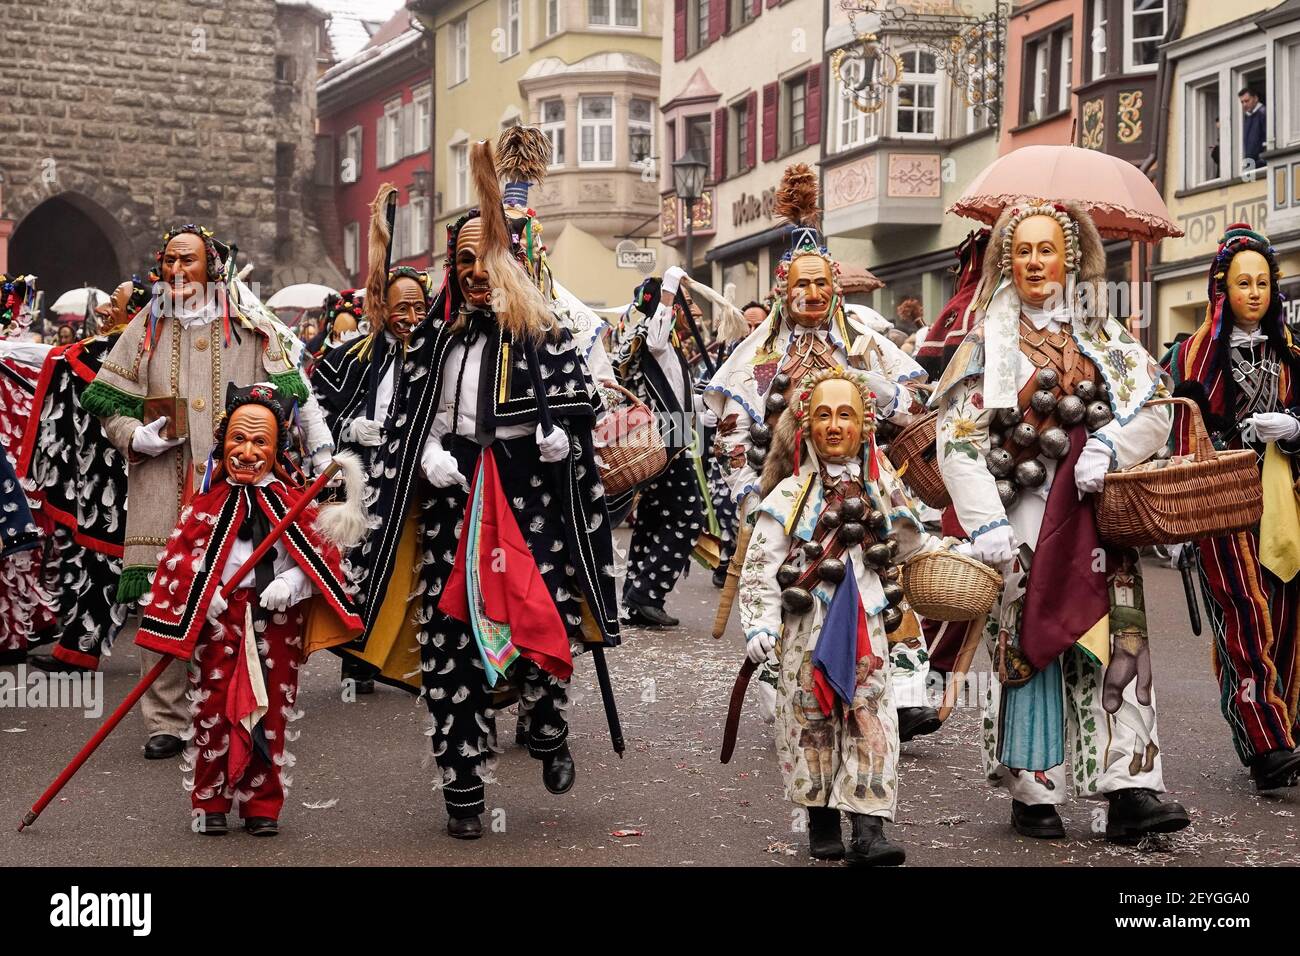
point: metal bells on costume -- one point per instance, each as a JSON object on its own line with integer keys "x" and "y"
{"x": 1010, "y": 437}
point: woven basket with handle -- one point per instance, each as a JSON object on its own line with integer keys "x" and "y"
{"x": 1210, "y": 494}
{"x": 630, "y": 450}
{"x": 915, "y": 458}
{"x": 947, "y": 586}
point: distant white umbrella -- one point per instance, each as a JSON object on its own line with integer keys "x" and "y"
{"x": 73, "y": 302}
{"x": 304, "y": 295}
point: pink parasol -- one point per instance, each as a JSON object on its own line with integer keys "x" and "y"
{"x": 1121, "y": 200}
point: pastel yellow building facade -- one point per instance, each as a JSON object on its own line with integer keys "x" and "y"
{"x": 586, "y": 71}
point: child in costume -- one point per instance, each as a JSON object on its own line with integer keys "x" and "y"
{"x": 814, "y": 590}
{"x": 247, "y": 648}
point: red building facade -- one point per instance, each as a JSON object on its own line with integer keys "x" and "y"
{"x": 375, "y": 126}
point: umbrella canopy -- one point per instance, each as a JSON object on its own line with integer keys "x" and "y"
{"x": 73, "y": 302}
{"x": 1121, "y": 200}
{"x": 858, "y": 279}
{"x": 304, "y": 295}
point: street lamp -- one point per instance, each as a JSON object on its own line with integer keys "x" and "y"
{"x": 688, "y": 183}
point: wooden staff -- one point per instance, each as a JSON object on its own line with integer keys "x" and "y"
{"x": 733, "y": 579}
{"x": 964, "y": 657}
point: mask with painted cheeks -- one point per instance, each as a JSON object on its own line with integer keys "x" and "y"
{"x": 809, "y": 291}
{"x": 1038, "y": 259}
{"x": 835, "y": 420}
{"x": 471, "y": 271}
{"x": 252, "y": 442}
{"x": 405, "y": 308}
{"x": 1249, "y": 287}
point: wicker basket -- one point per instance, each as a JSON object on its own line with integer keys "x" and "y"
{"x": 947, "y": 586}
{"x": 1213, "y": 493}
{"x": 631, "y": 451}
{"x": 915, "y": 457}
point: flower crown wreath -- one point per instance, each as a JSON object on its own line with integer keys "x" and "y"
{"x": 1069, "y": 228}
{"x": 801, "y": 408}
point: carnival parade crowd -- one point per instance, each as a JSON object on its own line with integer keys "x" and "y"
{"x": 428, "y": 487}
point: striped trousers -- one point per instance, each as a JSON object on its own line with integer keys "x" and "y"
{"x": 1254, "y": 616}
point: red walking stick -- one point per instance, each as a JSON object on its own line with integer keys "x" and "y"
{"x": 155, "y": 672}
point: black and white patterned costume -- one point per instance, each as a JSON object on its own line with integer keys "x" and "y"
{"x": 78, "y": 480}
{"x": 669, "y": 513}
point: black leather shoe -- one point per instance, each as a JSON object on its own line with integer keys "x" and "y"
{"x": 1037, "y": 820}
{"x": 917, "y": 722}
{"x": 465, "y": 828}
{"x": 162, "y": 746}
{"x": 869, "y": 845}
{"x": 558, "y": 770}
{"x": 720, "y": 577}
{"x": 825, "y": 842}
{"x": 52, "y": 665}
{"x": 12, "y": 657}
{"x": 261, "y": 826}
{"x": 1275, "y": 769}
{"x": 1135, "y": 812}
{"x": 643, "y": 615}
{"x": 212, "y": 824}
{"x": 521, "y": 732}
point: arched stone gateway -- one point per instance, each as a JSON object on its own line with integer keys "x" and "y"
{"x": 68, "y": 241}
{"x": 115, "y": 127}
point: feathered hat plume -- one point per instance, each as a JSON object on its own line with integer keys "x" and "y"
{"x": 522, "y": 156}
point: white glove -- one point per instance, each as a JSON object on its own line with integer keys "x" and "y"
{"x": 885, "y": 390}
{"x": 708, "y": 419}
{"x": 217, "y": 607}
{"x": 996, "y": 547}
{"x": 365, "y": 431}
{"x": 554, "y": 445}
{"x": 277, "y": 596}
{"x": 439, "y": 466}
{"x": 672, "y": 280}
{"x": 320, "y": 461}
{"x": 1090, "y": 470}
{"x": 759, "y": 646}
{"x": 148, "y": 439}
{"x": 1271, "y": 426}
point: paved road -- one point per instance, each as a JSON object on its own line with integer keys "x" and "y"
{"x": 362, "y": 791}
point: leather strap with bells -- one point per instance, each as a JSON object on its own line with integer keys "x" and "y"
{"x": 803, "y": 359}
{"x": 1059, "y": 352}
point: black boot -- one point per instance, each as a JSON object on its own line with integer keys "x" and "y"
{"x": 465, "y": 828}
{"x": 261, "y": 826}
{"x": 212, "y": 824}
{"x": 558, "y": 770}
{"x": 1275, "y": 769}
{"x": 1037, "y": 820}
{"x": 13, "y": 657}
{"x": 869, "y": 845}
{"x": 720, "y": 576}
{"x": 162, "y": 746}
{"x": 1135, "y": 812}
{"x": 917, "y": 722}
{"x": 825, "y": 841}
{"x": 643, "y": 615}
